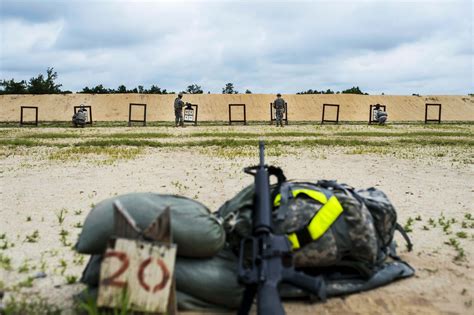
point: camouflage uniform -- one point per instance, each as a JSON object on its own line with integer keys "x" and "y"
{"x": 279, "y": 106}
{"x": 380, "y": 116}
{"x": 80, "y": 118}
{"x": 178, "y": 112}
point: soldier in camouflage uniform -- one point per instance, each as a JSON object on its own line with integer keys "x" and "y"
{"x": 279, "y": 106}
{"x": 80, "y": 118}
{"x": 178, "y": 110}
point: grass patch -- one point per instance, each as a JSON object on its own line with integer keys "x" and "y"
{"x": 111, "y": 153}
{"x": 140, "y": 135}
{"x": 438, "y": 142}
{"x": 52, "y": 135}
{"x": 29, "y": 305}
{"x": 403, "y": 134}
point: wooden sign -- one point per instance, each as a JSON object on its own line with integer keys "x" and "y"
{"x": 143, "y": 270}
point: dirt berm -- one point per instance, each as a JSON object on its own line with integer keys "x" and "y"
{"x": 215, "y": 107}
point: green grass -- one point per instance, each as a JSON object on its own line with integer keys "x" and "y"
{"x": 403, "y": 134}
{"x": 110, "y": 152}
{"x": 51, "y": 135}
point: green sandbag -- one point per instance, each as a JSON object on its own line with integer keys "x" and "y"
{"x": 195, "y": 230}
{"x": 187, "y": 302}
{"x": 212, "y": 280}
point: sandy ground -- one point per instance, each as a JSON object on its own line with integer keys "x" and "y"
{"x": 214, "y": 107}
{"x": 34, "y": 187}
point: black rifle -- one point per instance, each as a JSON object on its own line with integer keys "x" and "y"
{"x": 265, "y": 258}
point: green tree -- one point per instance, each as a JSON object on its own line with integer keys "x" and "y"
{"x": 99, "y": 89}
{"x": 122, "y": 89}
{"x": 13, "y": 87}
{"x": 194, "y": 89}
{"x": 40, "y": 85}
{"x": 354, "y": 90}
{"x": 247, "y": 91}
{"x": 229, "y": 89}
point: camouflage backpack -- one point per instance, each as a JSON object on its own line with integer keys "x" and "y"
{"x": 329, "y": 224}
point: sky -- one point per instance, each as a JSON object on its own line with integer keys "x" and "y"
{"x": 382, "y": 46}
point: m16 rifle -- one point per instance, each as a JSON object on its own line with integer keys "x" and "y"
{"x": 265, "y": 258}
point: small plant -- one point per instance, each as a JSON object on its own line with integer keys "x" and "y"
{"x": 408, "y": 226}
{"x": 3, "y": 236}
{"x": 71, "y": 279}
{"x": 418, "y": 218}
{"x": 469, "y": 216}
{"x": 27, "y": 283}
{"x": 5, "y": 262}
{"x": 426, "y": 228}
{"x": 77, "y": 212}
{"x": 464, "y": 224}
{"x": 25, "y": 267}
{"x": 461, "y": 255}
{"x": 61, "y": 215}
{"x": 33, "y": 238}
{"x": 78, "y": 259}
{"x": 461, "y": 234}
{"x": 432, "y": 222}
{"x": 62, "y": 266}
{"x": 28, "y": 219}
{"x": 63, "y": 237}
{"x": 78, "y": 225}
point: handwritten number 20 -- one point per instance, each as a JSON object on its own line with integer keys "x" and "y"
{"x": 112, "y": 280}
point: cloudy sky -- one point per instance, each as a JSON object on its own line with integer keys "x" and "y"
{"x": 394, "y": 47}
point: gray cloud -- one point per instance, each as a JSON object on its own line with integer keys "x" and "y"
{"x": 399, "y": 47}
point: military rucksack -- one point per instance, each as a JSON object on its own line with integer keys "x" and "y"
{"x": 330, "y": 225}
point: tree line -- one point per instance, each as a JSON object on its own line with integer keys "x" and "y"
{"x": 42, "y": 84}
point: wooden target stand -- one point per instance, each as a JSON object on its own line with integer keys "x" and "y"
{"x": 244, "y": 112}
{"x": 323, "y": 118}
{"x": 428, "y": 105}
{"x": 28, "y": 123}
{"x": 372, "y": 113}
{"x": 131, "y": 261}
{"x": 285, "y": 117}
{"x": 130, "y": 120}
{"x": 89, "y": 109}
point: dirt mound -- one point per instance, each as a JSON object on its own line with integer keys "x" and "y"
{"x": 214, "y": 107}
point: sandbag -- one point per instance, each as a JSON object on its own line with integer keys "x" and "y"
{"x": 194, "y": 229}
{"x": 188, "y": 302}
{"x": 209, "y": 283}
{"x": 212, "y": 280}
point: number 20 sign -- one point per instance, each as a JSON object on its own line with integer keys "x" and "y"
{"x": 145, "y": 270}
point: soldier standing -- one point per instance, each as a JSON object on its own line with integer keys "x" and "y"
{"x": 279, "y": 106}
{"x": 178, "y": 110}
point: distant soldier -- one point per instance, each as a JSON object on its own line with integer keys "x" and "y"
{"x": 379, "y": 115}
{"x": 80, "y": 118}
{"x": 178, "y": 110}
{"x": 279, "y": 106}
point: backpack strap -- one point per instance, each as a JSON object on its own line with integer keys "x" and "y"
{"x": 319, "y": 223}
{"x": 402, "y": 231}
{"x": 286, "y": 194}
